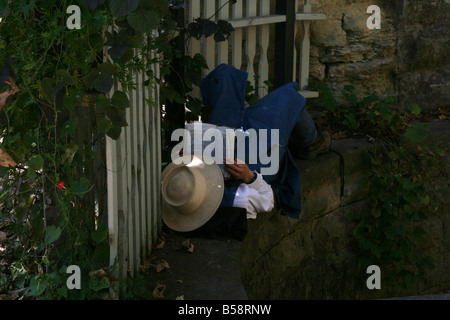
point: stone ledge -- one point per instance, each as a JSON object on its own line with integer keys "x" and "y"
{"x": 311, "y": 257}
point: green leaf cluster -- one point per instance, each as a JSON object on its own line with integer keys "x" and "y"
{"x": 371, "y": 115}
{"x": 391, "y": 232}
{"x": 74, "y": 93}
{"x": 72, "y": 96}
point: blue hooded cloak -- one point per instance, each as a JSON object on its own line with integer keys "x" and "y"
{"x": 224, "y": 90}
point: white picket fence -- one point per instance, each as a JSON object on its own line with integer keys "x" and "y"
{"x": 133, "y": 176}
{"x": 251, "y": 38}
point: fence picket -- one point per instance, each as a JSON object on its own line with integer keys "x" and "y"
{"x": 250, "y": 41}
{"x": 236, "y": 36}
{"x": 194, "y": 12}
{"x": 141, "y": 167}
{"x": 264, "y": 10}
{"x": 156, "y": 159}
{"x": 304, "y": 50}
{"x": 222, "y": 47}
{"x": 209, "y": 49}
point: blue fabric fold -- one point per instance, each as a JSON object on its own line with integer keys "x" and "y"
{"x": 224, "y": 90}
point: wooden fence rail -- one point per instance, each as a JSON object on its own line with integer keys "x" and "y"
{"x": 249, "y": 45}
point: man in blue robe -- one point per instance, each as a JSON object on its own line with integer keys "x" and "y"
{"x": 282, "y": 109}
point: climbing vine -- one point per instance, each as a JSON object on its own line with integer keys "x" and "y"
{"x": 401, "y": 193}
{"x": 56, "y": 108}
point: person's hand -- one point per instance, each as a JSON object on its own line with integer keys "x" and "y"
{"x": 239, "y": 171}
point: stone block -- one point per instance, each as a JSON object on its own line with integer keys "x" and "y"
{"x": 320, "y": 185}
{"x": 328, "y": 33}
{"x": 354, "y": 19}
{"x": 313, "y": 260}
{"x": 354, "y": 154}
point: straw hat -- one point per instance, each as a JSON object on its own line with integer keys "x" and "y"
{"x": 191, "y": 192}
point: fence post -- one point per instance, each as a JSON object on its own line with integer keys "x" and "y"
{"x": 284, "y": 43}
{"x": 305, "y": 50}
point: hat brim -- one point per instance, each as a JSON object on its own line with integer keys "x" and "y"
{"x": 183, "y": 222}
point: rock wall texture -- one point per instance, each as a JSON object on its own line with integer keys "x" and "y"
{"x": 313, "y": 257}
{"x": 407, "y": 58}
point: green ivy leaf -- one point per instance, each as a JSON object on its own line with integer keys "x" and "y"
{"x": 102, "y": 105}
{"x": 93, "y": 4}
{"x": 122, "y": 8}
{"x": 160, "y": 6}
{"x": 64, "y": 77}
{"x": 114, "y": 132}
{"x": 328, "y": 100}
{"x": 47, "y": 87}
{"x": 20, "y": 211}
{"x": 37, "y": 287}
{"x": 107, "y": 67}
{"x": 416, "y": 133}
{"x": 97, "y": 284}
{"x": 101, "y": 233}
{"x": 69, "y": 102}
{"x": 68, "y": 127}
{"x": 62, "y": 291}
{"x": 80, "y": 187}
{"x": 195, "y": 106}
{"x": 103, "y": 83}
{"x": 414, "y": 108}
{"x": 143, "y": 20}
{"x": 195, "y": 30}
{"x": 103, "y": 124}
{"x": 117, "y": 117}
{"x": 209, "y": 28}
{"x": 52, "y": 234}
{"x": 120, "y": 100}
{"x": 101, "y": 253}
{"x": 117, "y": 51}
{"x": 34, "y": 164}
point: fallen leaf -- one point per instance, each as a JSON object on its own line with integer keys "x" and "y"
{"x": 186, "y": 244}
{"x": 160, "y": 245}
{"x": 160, "y": 265}
{"x": 158, "y": 291}
{"x": 2, "y": 236}
{"x": 338, "y": 136}
{"x": 5, "y": 95}
{"x": 180, "y": 297}
{"x": 6, "y": 160}
{"x": 100, "y": 273}
{"x": 111, "y": 278}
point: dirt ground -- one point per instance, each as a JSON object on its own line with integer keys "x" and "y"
{"x": 196, "y": 268}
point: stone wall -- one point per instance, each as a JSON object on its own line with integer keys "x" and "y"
{"x": 313, "y": 257}
{"x": 407, "y": 58}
